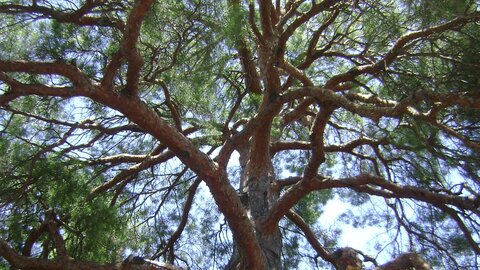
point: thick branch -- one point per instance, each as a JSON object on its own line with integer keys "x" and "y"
{"x": 24, "y": 262}
{"x": 263, "y": 116}
{"x": 317, "y": 141}
{"x": 266, "y": 7}
{"x": 129, "y": 44}
{"x": 128, "y": 50}
{"x": 79, "y": 17}
{"x": 389, "y": 108}
{"x": 252, "y": 79}
{"x": 363, "y": 183}
{"x": 302, "y": 188}
{"x": 54, "y": 230}
{"x": 69, "y": 71}
{"x": 346, "y": 147}
{"x": 32, "y": 238}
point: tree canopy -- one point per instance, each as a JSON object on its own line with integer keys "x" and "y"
{"x": 212, "y": 134}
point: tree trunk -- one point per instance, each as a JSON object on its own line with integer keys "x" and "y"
{"x": 257, "y": 204}
{"x": 257, "y": 178}
{"x": 260, "y": 198}
{"x": 258, "y": 195}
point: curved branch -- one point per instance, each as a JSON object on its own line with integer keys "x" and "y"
{"x": 129, "y": 43}
{"x": 302, "y": 188}
{"x": 32, "y": 238}
{"x": 128, "y": 50}
{"x": 310, "y": 236}
{"x": 363, "y": 183}
{"x": 314, "y": 10}
{"x": 374, "y": 108}
{"x": 264, "y": 116}
{"x": 317, "y": 141}
{"x": 346, "y": 147}
{"x": 171, "y": 106}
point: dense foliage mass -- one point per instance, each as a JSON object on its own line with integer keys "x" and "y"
{"x": 214, "y": 134}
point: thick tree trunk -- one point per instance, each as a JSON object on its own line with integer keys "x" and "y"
{"x": 258, "y": 195}
{"x": 271, "y": 243}
{"x": 260, "y": 199}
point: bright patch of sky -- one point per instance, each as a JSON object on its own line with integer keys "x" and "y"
{"x": 362, "y": 239}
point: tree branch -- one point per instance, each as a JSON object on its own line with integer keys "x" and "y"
{"x": 310, "y": 236}
{"x": 314, "y": 10}
{"x": 54, "y": 230}
{"x": 129, "y": 44}
{"x": 24, "y": 262}
{"x": 363, "y": 183}
{"x": 382, "y": 108}
{"x": 78, "y": 16}
{"x": 146, "y": 163}
{"x": 317, "y": 142}
{"x": 396, "y": 50}
{"x": 183, "y": 221}
{"x": 69, "y": 71}
{"x": 32, "y": 238}
{"x": 468, "y": 235}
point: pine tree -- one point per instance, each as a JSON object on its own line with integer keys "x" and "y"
{"x": 142, "y": 134}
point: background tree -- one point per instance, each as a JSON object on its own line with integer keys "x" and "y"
{"x": 211, "y": 134}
